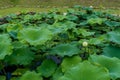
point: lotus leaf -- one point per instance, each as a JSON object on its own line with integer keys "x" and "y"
{"x": 22, "y": 56}
{"x": 30, "y": 75}
{"x": 5, "y": 46}
{"x": 112, "y": 64}
{"x": 65, "y": 50}
{"x": 86, "y": 71}
{"x": 114, "y": 36}
{"x": 112, "y": 51}
{"x": 47, "y": 68}
{"x": 70, "y": 62}
{"x": 35, "y": 36}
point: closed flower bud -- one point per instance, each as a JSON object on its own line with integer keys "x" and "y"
{"x": 85, "y": 44}
{"x": 91, "y": 6}
{"x": 64, "y": 14}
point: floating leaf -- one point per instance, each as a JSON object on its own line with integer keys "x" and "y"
{"x": 77, "y": 7}
{"x": 93, "y": 21}
{"x": 14, "y": 27}
{"x": 59, "y": 17}
{"x": 35, "y": 36}
{"x": 72, "y": 18}
{"x": 83, "y": 23}
{"x": 112, "y": 64}
{"x": 17, "y": 44}
{"x": 71, "y": 11}
{"x": 94, "y": 41}
{"x": 28, "y": 17}
{"x": 84, "y": 32}
{"x": 58, "y": 73}
{"x": 70, "y": 24}
{"x": 15, "y": 78}
{"x": 112, "y": 51}
{"x": 31, "y": 76}
{"x": 20, "y": 71}
{"x": 47, "y": 68}
{"x": 21, "y": 56}
{"x": 112, "y": 23}
{"x": 114, "y": 36}
{"x": 65, "y": 50}
{"x": 37, "y": 16}
{"x": 2, "y": 77}
{"x": 5, "y": 46}
{"x": 70, "y": 62}
{"x": 86, "y": 71}
{"x": 64, "y": 78}
{"x": 13, "y": 35}
{"x": 62, "y": 27}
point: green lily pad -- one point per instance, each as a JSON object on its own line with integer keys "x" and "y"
{"x": 112, "y": 51}
{"x": 58, "y": 73}
{"x": 112, "y": 23}
{"x": 86, "y": 71}
{"x": 84, "y": 32}
{"x": 31, "y": 76}
{"x": 69, "y": 62}
{"x": 93, "y": 21}
{"x": 65, "y": 50}
{"x": 35, "y": 36}
{"x": 5, "y": 46}
{"x": 21, "y": 56}
{"x": 2, "y": 78}
{"x": 112, "y": 64}
{"x": 114, "y": 36}
{"x": 59, "y": 17}
{"x": 47, "y": 68}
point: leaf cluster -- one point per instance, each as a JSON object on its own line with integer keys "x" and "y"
{"x": 49, "y": 46}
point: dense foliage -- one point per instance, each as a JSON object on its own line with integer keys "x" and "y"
{"x": 81, "y": 44}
